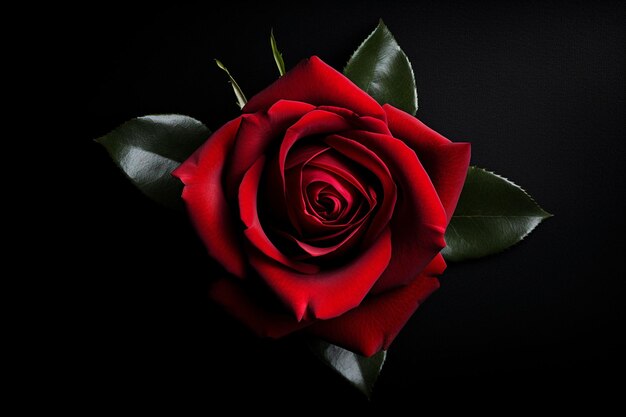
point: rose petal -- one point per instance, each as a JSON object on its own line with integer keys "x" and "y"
{"x": 369, "y": 160}
{"x": 313, "y": 81}
{"x": 368, "y": 123}
{"x": 336, "y": 185}
{"x": 328, "y": 293}
{"x": 256, "y": 133}
{"x": 317, "y": 122}
{"x": 371, "y": 124}
{"x": 247, "y": 307}
{"x": 373, "y": 325}
{"x": 206, "y": 200}
{"x": 313, "y": 123}
{"x": 334, "y": 245}
{"x": 250, "y": 217}
{"x": 304, "y": 154}
{"x": 332, "y": 162}
{"x": 292, "y": 178}
{"x": 334, "y": 250}
{"x": 342, "y": 230}
{"x": 445, "y": 162}
{"x": 419, "y": 220}
{"x": 309, "y": 224}
{"x": 315, "y": 155}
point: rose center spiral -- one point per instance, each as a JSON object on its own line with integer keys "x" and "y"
{"x": 325, "y": 201}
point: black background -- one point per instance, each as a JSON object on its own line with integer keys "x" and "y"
{"x": 538, "y": 89}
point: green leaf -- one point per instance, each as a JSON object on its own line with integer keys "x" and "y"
{"x": 278, "y": 57}
{"x": 358, "y": 370}
{"x": 380, "y": 68}
{"x": 241, "y": 98}
{"x": 492, "y": 214}
{"x": 149, "y": 148}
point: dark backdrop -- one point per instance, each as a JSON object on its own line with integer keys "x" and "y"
{"x": 537, "y": 88}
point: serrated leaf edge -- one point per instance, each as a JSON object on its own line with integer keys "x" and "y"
{"x": 546, "y": 215}
{"x": 382, "y": 24}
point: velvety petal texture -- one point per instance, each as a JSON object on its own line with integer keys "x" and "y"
{"x": 446, "y": 162}
{"x": 326, "y": 210}
{"x": 375, "y": 324}
{"x": 206, "y": 200}
{"x": 315, "y": 82}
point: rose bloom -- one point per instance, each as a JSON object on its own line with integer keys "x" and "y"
{"x": 326, "y": 210}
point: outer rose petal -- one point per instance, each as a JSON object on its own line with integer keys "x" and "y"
{"x": 373, "y": 325}
{"x": 419, "y": 219}
{"x": 256, "y": 133}
{"x": 313, "y": 81}
{"x": 445, "y": 162}
{"x": 206, "y": 201}
{"x": 247, "y": 308}
{"x": 329, "y": 293}
{"x": 371, "y": 124}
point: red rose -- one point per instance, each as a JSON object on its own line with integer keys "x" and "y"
{"x": 326, "y": 210}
